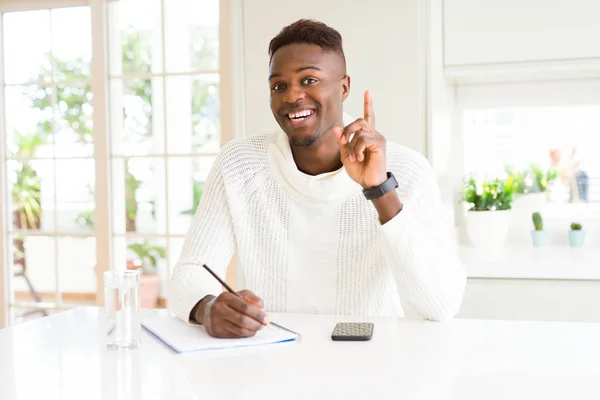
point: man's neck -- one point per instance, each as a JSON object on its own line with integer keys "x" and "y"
{"x": 321, "y": 157}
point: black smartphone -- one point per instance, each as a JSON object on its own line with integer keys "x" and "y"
{"x": 353, "y": 331}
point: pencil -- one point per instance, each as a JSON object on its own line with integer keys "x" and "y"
{"x": 230, "y": 290}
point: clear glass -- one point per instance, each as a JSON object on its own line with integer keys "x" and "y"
{"x": 122, "y": 307}
{"x": 73, "y": 123}
{"x": 191, "y": 35}
{"x": 29, "y": 121}
{"x": 193, "y": 113}
{"x": 26, "y": 41}
{"x": 135, "y": 39}
{"x": 75, "y": 204}
{"x": 31, "y": 189}
{"x": 138, "y": 185}
{"x": 71, "y": 42}
{"x": 185, "y": 188}
{"x": 137, "y": 117}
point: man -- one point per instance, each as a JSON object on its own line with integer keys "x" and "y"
{"x": 326, "y": 216}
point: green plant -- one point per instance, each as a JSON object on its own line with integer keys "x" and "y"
{"x": 27, "y": 198}
{"x": 537, "y": 221}
{"x": 489, "y": 195}
{"x": 197, "y": 195}
{"x": 576, "y": 227}
{"x": 132, "y": 184}
{"x": 26, "y": 192}
{"x": 532, "y": 179}
{"x": 148, "y": 254}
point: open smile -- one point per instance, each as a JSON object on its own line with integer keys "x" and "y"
{"x": 299, "y": 118}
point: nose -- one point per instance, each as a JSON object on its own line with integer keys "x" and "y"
{"x": 294, "y": 94}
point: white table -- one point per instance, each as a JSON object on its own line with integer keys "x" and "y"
{"x": 63, "y": 357}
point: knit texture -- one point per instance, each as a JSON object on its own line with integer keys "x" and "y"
{"x": 314, "y": 244}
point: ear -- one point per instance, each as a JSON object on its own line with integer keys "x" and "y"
{"x": 345, "y": 87}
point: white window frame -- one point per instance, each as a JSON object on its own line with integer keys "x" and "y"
{"x": 231, "y": 126}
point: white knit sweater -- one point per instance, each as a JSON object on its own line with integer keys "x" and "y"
{"x": 314, "y": 244}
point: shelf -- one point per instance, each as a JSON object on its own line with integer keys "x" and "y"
{"x": 525, "y": 262}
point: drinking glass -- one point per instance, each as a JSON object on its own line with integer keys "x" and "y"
{"x": 122, "y": 307}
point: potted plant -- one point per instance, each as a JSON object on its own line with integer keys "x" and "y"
{"x": 576, "y": 235}
{"x": 488, "y": 210}
{"x": 147, "y": 256}
{"x": 538, "y": 235}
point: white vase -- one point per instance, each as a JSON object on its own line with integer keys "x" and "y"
{"x": 488, "y": 228}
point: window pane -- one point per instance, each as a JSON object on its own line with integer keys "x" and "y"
{"x": 34, "y": 268}
{"x": 29, "y": 121}
{"x": 191, "y": 35}
{"x": 175, "y": 247}
{"x": 75, "y": 183}
{"x": 186, "y": 184}
{"x": 193, "y": 114}
{"x": 545, "y": 148}
{"x": 27, "y": 46}
{"x": 71, "y": 42}
{"x": 76, "y": 262}
{"x": 138, "y": 196}
{"x": 150, "y": 255}
{"x": 74, "y": 124}
{"x": 135, "y": 36}
{"x": 31, "y": 190}
{"x": 137, "y": 122}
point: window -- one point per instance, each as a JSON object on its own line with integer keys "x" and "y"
{"x": 49, "y": 157}
{"x": 164, "y": 111}
{"x": 558, "y": 143}
{"x": 543, "y": 138}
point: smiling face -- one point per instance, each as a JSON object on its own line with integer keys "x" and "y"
{"x": 308, "y": 86}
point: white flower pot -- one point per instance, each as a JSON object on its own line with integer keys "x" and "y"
{"x": 488, "y": 228}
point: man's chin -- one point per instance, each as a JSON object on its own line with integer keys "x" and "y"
{"x": 304, "y": 139}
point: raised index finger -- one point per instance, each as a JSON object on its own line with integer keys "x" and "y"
{"x": 369, "y": 114}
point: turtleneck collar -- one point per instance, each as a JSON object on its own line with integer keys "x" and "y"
{"x": 327, "y": 187}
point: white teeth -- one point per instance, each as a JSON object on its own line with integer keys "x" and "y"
{"x": 300, "y": 114}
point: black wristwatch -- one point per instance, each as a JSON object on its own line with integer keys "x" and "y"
{"x": 390, "y": 184}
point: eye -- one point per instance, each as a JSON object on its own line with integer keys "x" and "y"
{"x": 309, "y": 81}
{"x": 277, "y": 87}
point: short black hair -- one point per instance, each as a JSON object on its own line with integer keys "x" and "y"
{"x": 311, "y": 32}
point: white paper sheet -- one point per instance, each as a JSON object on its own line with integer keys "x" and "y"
{"x": 182, "y": 337}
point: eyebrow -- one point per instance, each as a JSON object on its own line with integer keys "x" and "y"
{"x": 277, "y": 74}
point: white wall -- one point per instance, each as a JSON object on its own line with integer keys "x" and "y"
{"x": 384, "y": 51}
{"x": 443, "y": 149}
{"x": 513, "y": 31}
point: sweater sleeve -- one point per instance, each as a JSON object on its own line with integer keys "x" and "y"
{"x": 210, "y": 240}
{"x": 423, "y": 254}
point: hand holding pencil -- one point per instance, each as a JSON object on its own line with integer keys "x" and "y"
{"x": 234, "y": 315}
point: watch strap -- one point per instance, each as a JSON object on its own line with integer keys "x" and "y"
{"x": 390, "y": 184}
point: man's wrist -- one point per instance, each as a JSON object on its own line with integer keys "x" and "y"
{"x": 388, "y": 185}
{"x": 199, "y": 311}
{"x": 378, "y": 182}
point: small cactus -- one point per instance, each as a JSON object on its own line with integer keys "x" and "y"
{"x": 575, "y": 226}
{"x": 537, "y": 221}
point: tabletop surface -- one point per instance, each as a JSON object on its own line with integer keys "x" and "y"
{"x": 63, "y": 356}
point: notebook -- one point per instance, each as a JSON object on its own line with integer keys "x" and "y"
{"x": 181, "y": 337}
